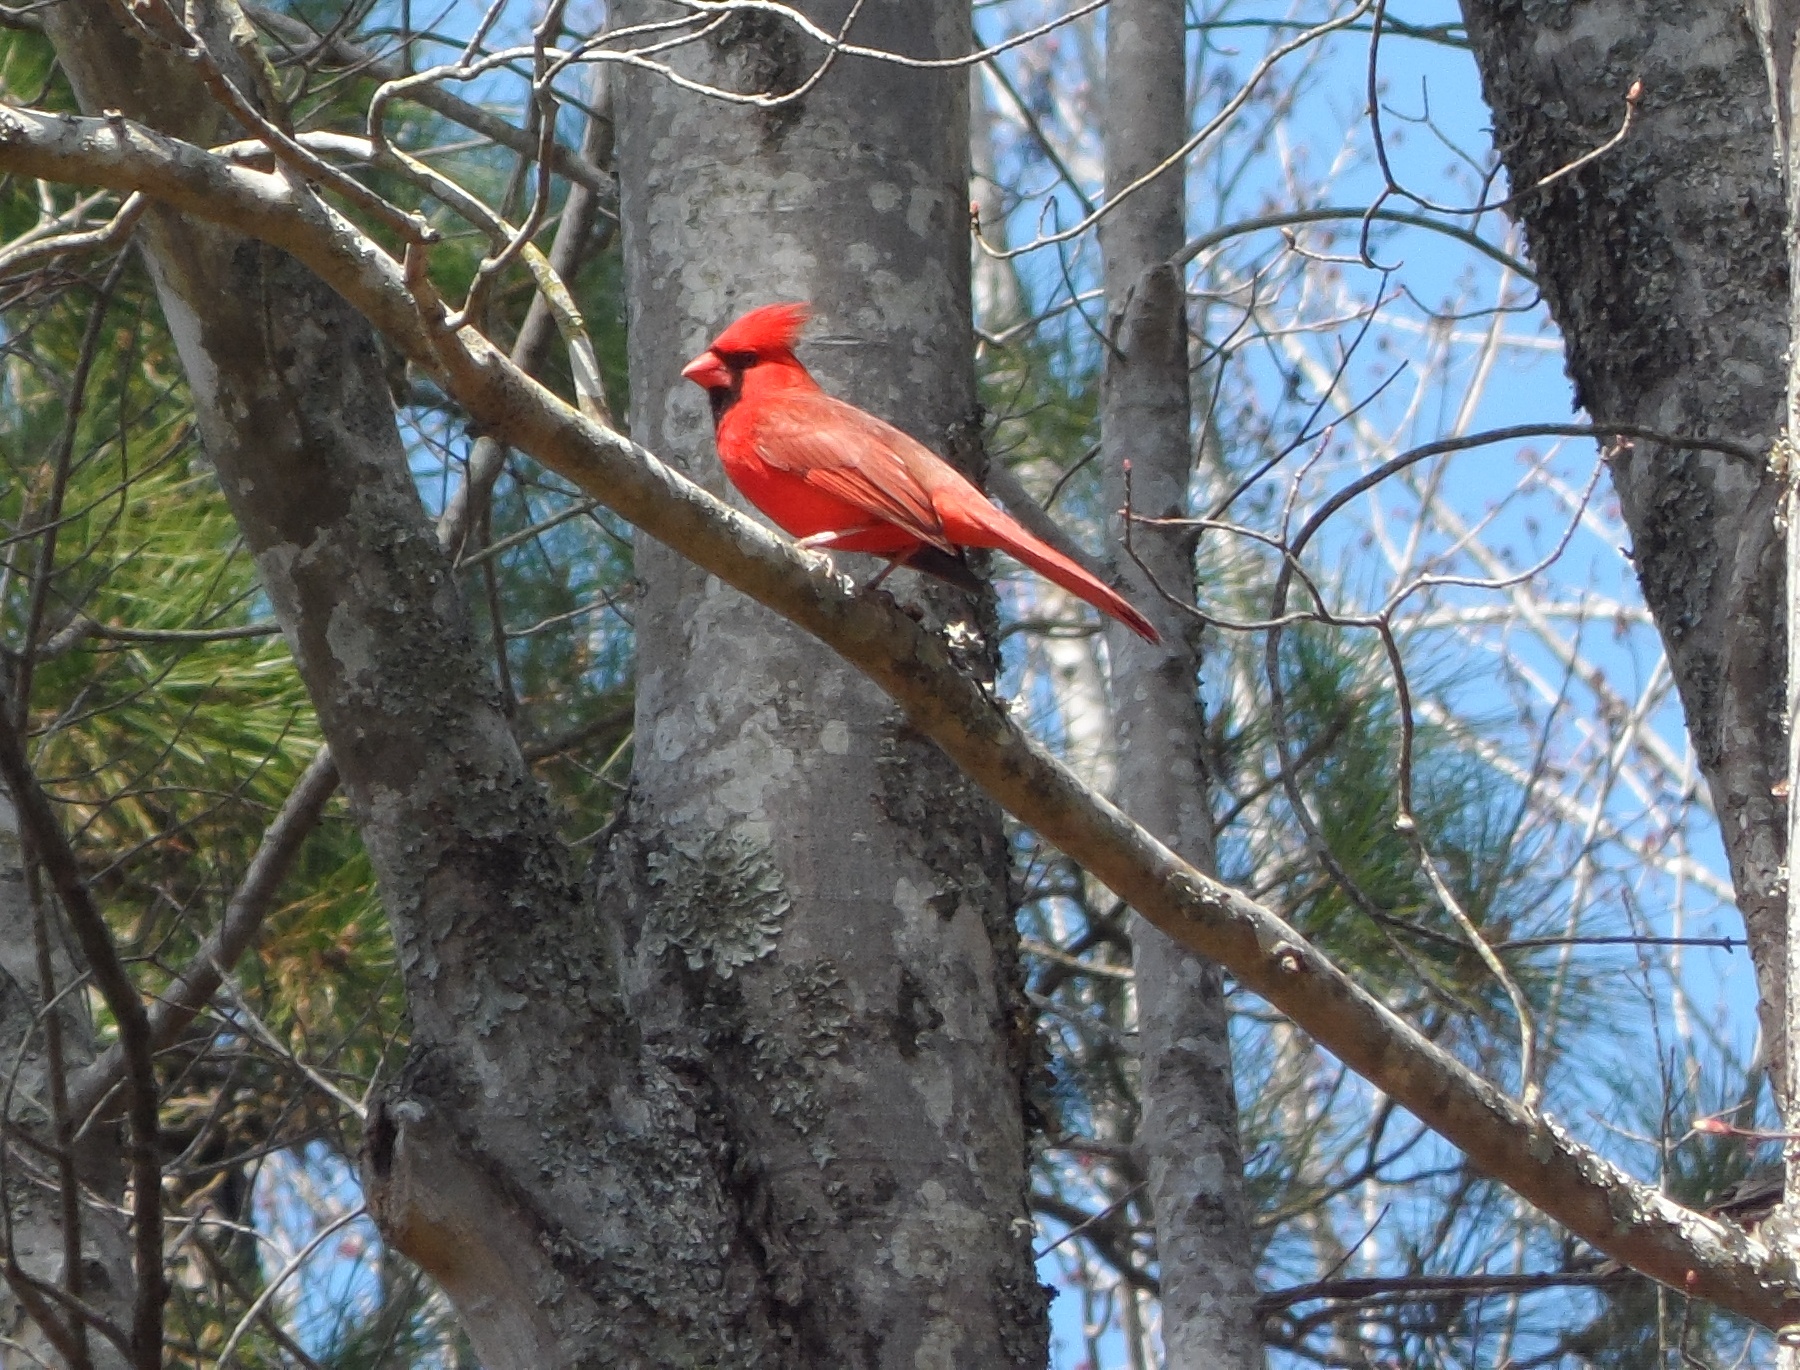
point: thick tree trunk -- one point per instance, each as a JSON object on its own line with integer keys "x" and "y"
{"x": 1664, "y": 262}
{"x": 820, "y": 932}
{"x": 1190, "y": 1120}
{"x": 580, "y": 1200}
{"x": 1777, "y": 26}
{"x": 479, "y": 1154}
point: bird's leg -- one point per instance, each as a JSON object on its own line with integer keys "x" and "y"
{"x": 821, "y": 541}
{"x": 882, "y": 574}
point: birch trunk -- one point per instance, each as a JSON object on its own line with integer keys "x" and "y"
{"x": 1189, "y": 1132}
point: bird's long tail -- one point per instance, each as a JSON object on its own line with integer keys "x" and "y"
{"x": 1054, "y": 566}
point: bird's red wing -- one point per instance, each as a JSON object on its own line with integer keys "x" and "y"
{"x": 852, "y": 456}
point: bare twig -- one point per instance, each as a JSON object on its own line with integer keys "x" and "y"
{"x": 1179, "y": 157}
{"x": 282, "y": 1276}
{"x": 245, "y": 913}
{"x": 30, "y": 253}
{"x": 121, "y": 996}
{"x": 577, "y": 167}
{"x": 59, "y": 484}
{"x": 68, "y": 1179}
{"x": 1525, "y": 1150}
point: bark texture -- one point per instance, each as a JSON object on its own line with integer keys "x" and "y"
{"x": 1777, "y": 27}
{"x": 575, "y": 1197}
{"x": 1665, "y": 265}
{"x": 922, "y": 670}
{"x": 815, "y": 905}
{"x": 1192, "y": 1152}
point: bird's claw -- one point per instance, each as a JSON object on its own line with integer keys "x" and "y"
{"x": 962, "y": 636}
{"x": 821, "y": 563}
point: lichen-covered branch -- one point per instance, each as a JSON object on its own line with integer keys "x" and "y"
{"x": 1594, "y": 1199}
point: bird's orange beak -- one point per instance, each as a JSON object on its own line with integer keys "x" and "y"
{"x": 708, "y": 372}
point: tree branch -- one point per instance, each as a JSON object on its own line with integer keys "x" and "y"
{"x": 1528, "y": 1151}
{"x": 52, "y": 848}
{"x": 342, "y": 53}
{"x": 200, "y": 979}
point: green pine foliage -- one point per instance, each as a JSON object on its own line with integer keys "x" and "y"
{"x": 168, "y": 724}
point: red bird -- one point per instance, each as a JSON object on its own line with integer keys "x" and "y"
{"x": 836, "y": 477}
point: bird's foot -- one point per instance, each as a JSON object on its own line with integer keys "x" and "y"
{"x": 822, "y": 563}
{"x": 963, "y": 636}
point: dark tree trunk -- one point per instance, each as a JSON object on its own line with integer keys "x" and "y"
{"x": 1665, "y": 264}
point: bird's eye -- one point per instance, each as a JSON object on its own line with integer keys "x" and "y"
{"x": 737, "y": 361}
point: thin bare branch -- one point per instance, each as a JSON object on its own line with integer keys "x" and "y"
{"x": 53, "y": 850}
{"x": 1593, "y": 1198}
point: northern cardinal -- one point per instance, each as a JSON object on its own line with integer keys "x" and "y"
{"x": 835, "y": 477}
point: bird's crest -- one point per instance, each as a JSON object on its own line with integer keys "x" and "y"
{"x": 765, "y": 331}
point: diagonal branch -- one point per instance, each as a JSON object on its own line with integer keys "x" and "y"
{"x": 1526, "y": 1150}
{"x": 52, "y": 848}
{"x": 250, "y": 903}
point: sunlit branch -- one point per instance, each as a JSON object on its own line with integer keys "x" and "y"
{"x": 343, "y": 53}
{"x": 1524, "y": 1149}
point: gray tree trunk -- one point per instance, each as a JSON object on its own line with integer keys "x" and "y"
{"x": 520, "y": 1068}
{"x": 1189, "y": 1135}
{"x": 849, "y": 998}
{"x": 1777, "y": 26}
{"x": 1664, "y": 262}
{"x": 762, "y": 1102}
